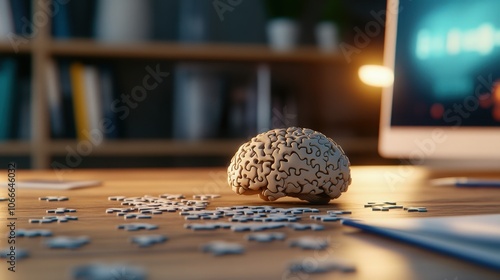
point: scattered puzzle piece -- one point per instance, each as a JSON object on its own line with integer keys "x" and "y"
{"x": 206, "y": 196}
{"x": 325, "y": 218}
{"x": 137, "y": 226}
{"x": 33, "y": 232}
{"x": 320, "y": 266}
{"x": 40, "y": 221}
{"x": 172, "y": 196}
{"x": 265, "y": 237}
{"x": 339, "y": 212}
{"x": 108, "y": 272}
{"x": 148, "y": 240}
{"x": 61, "y": 210}
{"x": 207, "y": 226}
{"x": 117, "y": 198}
{"x": 119, "y": 210}
{"x": 219, "y": 248}
{"x": 415, "y": 209}
{"x": 65, "y": 242}
{"x": 20, "y": 253}
{"x": 61, "y": 219}
{"x": 309, "y": 243}
{"x": 257, "y": 226}
{"x": 3, "y": 199}
{"x": 314, "y": 227}
{"x": 53, "y": 198}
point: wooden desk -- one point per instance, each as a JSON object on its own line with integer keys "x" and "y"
{"x": 180, "y": 257}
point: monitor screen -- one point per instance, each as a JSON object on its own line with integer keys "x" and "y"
{"x": 445, "y": 101}
{"x": 447, "y": 63}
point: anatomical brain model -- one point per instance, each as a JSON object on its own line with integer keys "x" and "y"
{"x": 297, "y": 162}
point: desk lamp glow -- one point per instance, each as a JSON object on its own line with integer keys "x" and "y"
{"x": 376, "y": 75}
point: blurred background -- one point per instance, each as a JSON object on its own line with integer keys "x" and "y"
{"x": 173, "y": 83}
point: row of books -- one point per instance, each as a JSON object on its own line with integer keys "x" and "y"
{"x": 188, "y": 101}
{"x": 14, "y": 100}
{"x": 117, "y": 100}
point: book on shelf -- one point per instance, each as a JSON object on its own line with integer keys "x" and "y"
{"x": 6, "y": 20}
{"x": 54, "y": 94}
{"x": 106, "y": 88}
{"x": 194, "y": 24}
{"x": 198, "y": 102}
{"x": 67, "y": 99}
{"x": 74, "y": 19}
{"x": 22, "y": 117}
{"x": 8, "y": 73}
{"x": 123, "y": 20}
{"x": 242, "y": 111}
{"x": 21, "y": 15}
{"x": 80, "y": 100}
{"x": 61, "y": 27}
{"x": 86, "y": 100}
{"x": 143, "y": 106}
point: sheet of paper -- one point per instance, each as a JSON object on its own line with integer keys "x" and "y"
{"x": 54, "y": 185}
{"x": 474, "y": 238}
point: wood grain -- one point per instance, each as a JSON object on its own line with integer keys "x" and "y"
{"x": 181, "y": 258}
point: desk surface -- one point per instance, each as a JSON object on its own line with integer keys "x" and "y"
{"x": 181, "y": 258}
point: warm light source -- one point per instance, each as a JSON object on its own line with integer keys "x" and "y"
{"x": 376, "y": 75}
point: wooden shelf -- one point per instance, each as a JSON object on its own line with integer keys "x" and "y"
{"x": 184, "y": 51}
{"x": 152, "y": 147}
{"x": 15, "y": 148}
{"x": 216, "y": 147}
{"x": 7, "y": 48}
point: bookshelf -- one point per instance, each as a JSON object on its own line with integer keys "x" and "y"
{"x": 41, "y": 148}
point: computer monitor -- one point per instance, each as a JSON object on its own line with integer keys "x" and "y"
{"x": 445, "y": 101}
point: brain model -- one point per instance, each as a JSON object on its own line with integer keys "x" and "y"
{"x": 292, "y": 161}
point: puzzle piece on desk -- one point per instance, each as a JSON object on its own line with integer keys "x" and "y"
{"x": 241, "y": 218}
{"x": 119, "y": 210}
{"x": 154, "y": 212}
{"x": 292, "y": 210}
{"x": 206, "y": 196}
{"x": 116, "y": 198}
{"x": 66, "y": 242}
{"x": 41, "y": 221}
{"x": 320, "y": 266}
{"x": 339, "y": 212}
{"x": 137, "y": 226}
{"x": 3, "y": 199}
{"x": 309, "y": 243}
{"x": 202, "y": 213}
{"x": 33, "y": 232}
{"x": 108, "y": 272}
{"x": 172, "y": 196}
{"x": 53, "y": 198}
{"x": 257, "y": 226}
{"x": 300, "y": 227}
{"x": 415, "y": 209}
{"x": 219, "y": 248}
{"x": 167, "y": 209}
{"x": 148, "y": 240}
{"x": 265, "y": 237}
{"x": 60, "y": 210}
{"x": 207, "y": 226}
{"x": 20, "y": 253}
{"x": 61, "y": 219}
{"x": 325, "y": 218}
{"x": 52, "y": 219}
{"x": 283, "y": 218}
